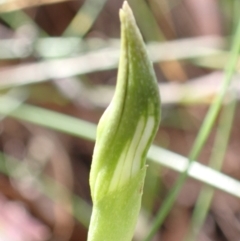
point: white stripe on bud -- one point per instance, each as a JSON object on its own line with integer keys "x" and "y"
{"x": 132, "y": 157}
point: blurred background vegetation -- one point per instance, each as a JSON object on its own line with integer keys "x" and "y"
{"x": 58, "y": 66}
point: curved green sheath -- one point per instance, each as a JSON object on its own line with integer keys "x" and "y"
{"x": 124, "y": 135}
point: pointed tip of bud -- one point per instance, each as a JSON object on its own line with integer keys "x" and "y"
{"x": 125, "y": 6}
{"x": 121, "y": 14}
{"x": 126, "y": 12}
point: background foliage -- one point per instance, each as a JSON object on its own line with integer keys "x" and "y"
{"x": 58, "y": 64}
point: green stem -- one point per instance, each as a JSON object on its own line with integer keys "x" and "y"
{"x": 216, "y": 160}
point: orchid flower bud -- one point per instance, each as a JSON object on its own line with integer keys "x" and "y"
{"x": 124, "y": 135}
